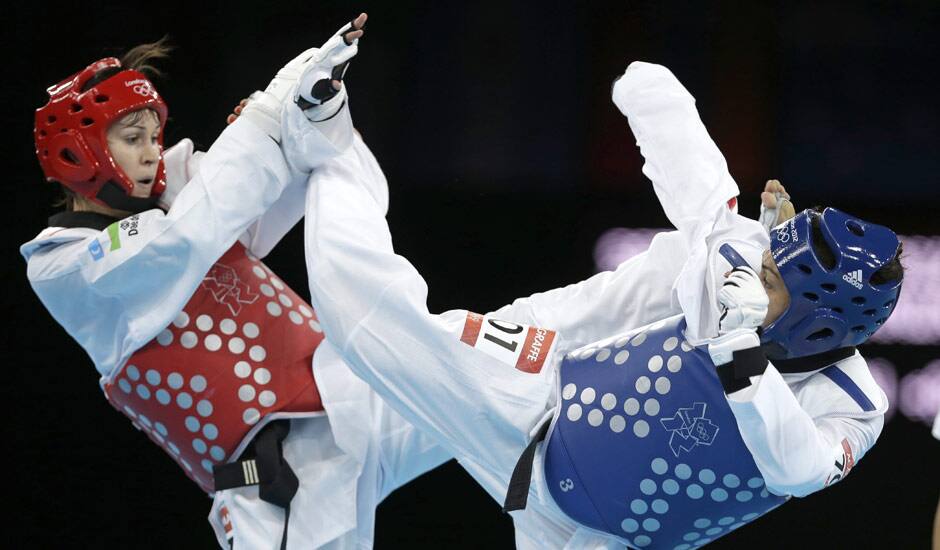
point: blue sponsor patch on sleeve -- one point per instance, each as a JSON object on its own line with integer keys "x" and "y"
{"x": 94, "y": 248}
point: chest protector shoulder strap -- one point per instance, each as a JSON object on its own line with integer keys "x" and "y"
{"x": 237, "y": 356}
{"x": 646, "y": 447}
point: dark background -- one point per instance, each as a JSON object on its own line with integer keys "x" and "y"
{"x": 505, "y": 157}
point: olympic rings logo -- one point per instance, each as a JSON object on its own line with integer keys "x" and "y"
{"x": 145, "y": 89}
{"x": 142, "y": 87}
{"x": 787, "y": 232}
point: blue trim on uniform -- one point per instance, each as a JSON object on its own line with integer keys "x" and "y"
{"x": 843, "y": 380}
{"x": 730, "y": 254}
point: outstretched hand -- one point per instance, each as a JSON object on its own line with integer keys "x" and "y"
{"x": 318, "y": 86}
{"x": 349, "y": 35}
{"x": 773, "y": 190}
{"x": 354, "y": 33}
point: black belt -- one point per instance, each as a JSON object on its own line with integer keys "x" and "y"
{"x": 263, "y": 464}
{"x": 518, "y": 493}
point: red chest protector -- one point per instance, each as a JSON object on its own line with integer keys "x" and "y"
{"x": 237, "y": 356}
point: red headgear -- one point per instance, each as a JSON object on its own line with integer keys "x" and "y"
{"x": 71, "y": 133}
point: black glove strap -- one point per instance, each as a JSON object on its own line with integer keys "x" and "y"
{"x": 746, "y": 363}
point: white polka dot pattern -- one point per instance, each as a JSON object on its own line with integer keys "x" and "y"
{"x": 181, "y": 320}
{"x": 257, "y": 353}
{"x": 165, "y": 338}
{"x": 595, "y": 417}
{"x": 204, "y": 323}
{"x": 228, "y": 327}
{"x": 213, "y": 342}
{"x": 588, "y": 395}
{"x": 569, "y": 391}
{"x": 262, "y": 376}
{"x": 267, "y": 398}
{"x": 250, "y": 330}
{"x": 189, "y": 339}
{"x": 236, "y": 345}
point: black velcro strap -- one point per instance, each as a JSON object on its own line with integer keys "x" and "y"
{"x": 518, "y": 493}
{"x": 746, "y": 363}
{"x": 728, "y": 381}
{"x": 749, "y": 362}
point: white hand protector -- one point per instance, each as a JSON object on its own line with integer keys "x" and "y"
{"x": 722, "y": 349}
{"x": 768, "y": 216}
{"x": 743, "y": 299}
{"x": 329, "y": 63}
{"x": 306, "y": 81}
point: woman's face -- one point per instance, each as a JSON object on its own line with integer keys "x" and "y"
{"x": 132, "y": 140}
{"x": 777, "y": 292}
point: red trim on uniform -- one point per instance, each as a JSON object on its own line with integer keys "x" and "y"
{"x": 732, "y": 202}
{"x": 849, "y": 457}
{"x": 471, "y": 328}
{"x": 537, "y": 343}
{"x": 226, "y": 520}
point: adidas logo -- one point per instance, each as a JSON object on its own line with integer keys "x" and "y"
{"x": 854, "y": 278}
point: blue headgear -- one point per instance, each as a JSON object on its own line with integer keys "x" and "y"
{"x": 835, "y": 306}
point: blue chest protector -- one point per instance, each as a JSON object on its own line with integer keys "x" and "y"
{"x": 646, "y": 447}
